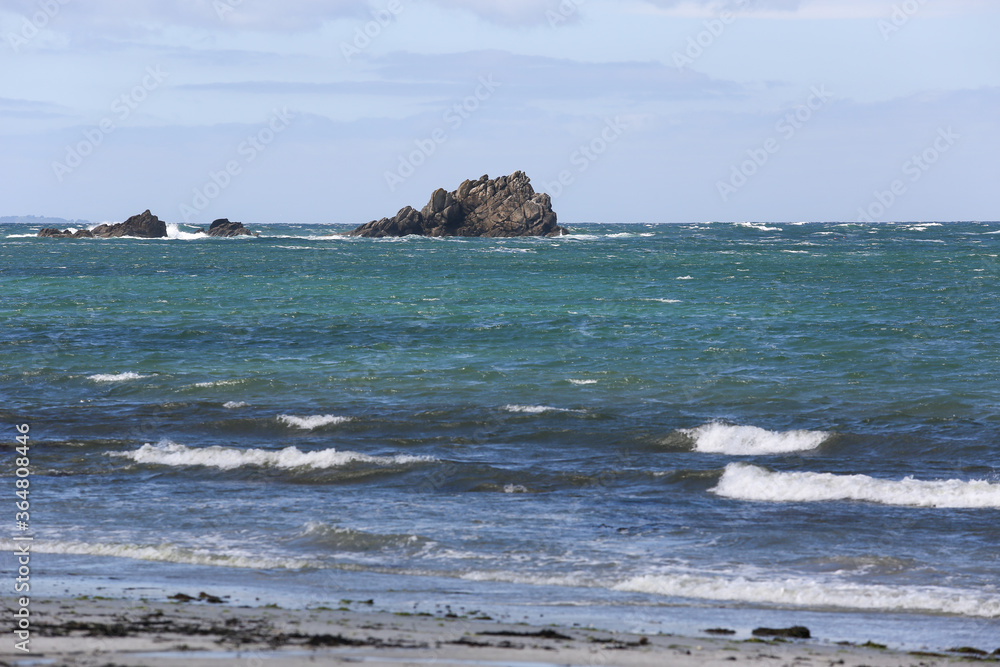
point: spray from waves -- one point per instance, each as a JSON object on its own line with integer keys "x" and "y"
{"x": 718, "y": 438}
{"x": 747, "y": 482}
{"x": 118, "y": 377}
{"x": 313, "y": 422}
{"x": 813, "y": 593}
{"x": 168, "y": 453}
{"x": 167, "y": 553}
{"x": 174, "y": 232}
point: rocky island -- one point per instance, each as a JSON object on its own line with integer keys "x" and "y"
{"x": 144, "y": 226}
{"x": 502, "y": 207}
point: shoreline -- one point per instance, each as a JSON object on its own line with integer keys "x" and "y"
{"x": 207, "y": 631}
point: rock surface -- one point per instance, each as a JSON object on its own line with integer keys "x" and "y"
{"x": 223, "y": 227}
{"x": 502, "y": 207}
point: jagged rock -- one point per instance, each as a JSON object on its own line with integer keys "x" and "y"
{"x": 223, "y": 227}
{"x": 502, "y": 207}
{"x": 145, "y": 225}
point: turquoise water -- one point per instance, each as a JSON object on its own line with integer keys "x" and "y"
{"x": 759, "y": 421}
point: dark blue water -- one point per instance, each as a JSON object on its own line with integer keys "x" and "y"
{"x": 734, "y": 421}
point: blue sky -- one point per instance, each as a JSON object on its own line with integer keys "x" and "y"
{"x": 340, "y": 111}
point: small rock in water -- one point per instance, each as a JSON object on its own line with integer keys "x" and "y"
{"x": 719, "y": 631}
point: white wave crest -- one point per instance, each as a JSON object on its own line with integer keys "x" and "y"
{"x": 759, "y": 226}
{"x": 717, "y": 438}
{"x": 232, "y": 405}
{"x": 118, "y": 377}
{"x": 535, "y": 409}
{"x": 313, "y": 422}
{"x": 803, "y": 592}
{"x": 219, "y": 383}
{"x": 748, "y": 482}
{"x": 226, "y": 458}
{"x": 167, "y": 553}
{"x": 582, "y": 382}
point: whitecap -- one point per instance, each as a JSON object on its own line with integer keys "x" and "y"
{"x": 748, "y": 482}
{"x": 169, "y": 453}
{"x": 118, "y": 377}
{"x": 759, "y": 226}
{"x": 734, "y": 440}
{"x": 535, "y": 409}
{"x": 685, "y": 277}
{"x": 232, "y": 405}
{"x": 582, "y": 382}
{"x": 312, "y": 422}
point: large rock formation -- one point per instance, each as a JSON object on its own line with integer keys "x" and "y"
{"x": 145, "y": 225}
{"x": 223, "y": 227}
{"x": 502, "y": 207}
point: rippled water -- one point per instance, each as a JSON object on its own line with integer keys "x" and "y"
{"x": 738, "y": 419}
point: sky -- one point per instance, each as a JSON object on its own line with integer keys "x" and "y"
{"x": 344, "y": 111}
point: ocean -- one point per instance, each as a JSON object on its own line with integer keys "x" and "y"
{"x": 654, "y": 428}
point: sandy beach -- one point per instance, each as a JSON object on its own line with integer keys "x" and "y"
{"x": 197, "y": 632}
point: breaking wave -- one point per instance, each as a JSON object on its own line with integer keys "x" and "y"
{"x": 718, "y": 438}
{"x": 747, "y": 482}
{"x": 313, "y": 422}
{"x": 226, "y": 458}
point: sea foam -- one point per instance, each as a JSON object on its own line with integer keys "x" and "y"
{"x": 313, "y": 422}
{"x": 167, "y": 553}
{"x": 807, "y": 592}
{"x": 168, "y": 453}
{"x": 718, "y": 438}
{"x": 748, "y": 482}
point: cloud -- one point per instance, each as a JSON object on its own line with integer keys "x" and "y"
{"x": 516, "y": 12}
{"x": 127, "y": 15}
{"x": 813, "y": 9}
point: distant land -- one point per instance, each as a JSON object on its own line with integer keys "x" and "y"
{"x": 42, "y": 220}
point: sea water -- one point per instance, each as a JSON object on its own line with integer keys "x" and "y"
{"x": 643, "y": 427}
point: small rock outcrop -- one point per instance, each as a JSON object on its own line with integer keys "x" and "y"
{"x": 502, "y": 207}
{"x": 145, "y": 225}
{"x": 223, "y": 227}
